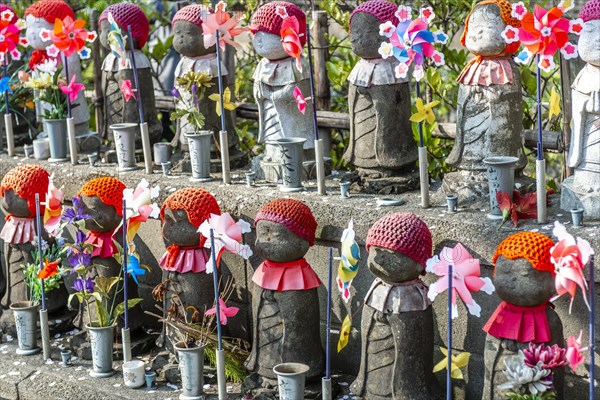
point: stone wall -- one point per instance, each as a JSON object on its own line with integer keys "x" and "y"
{"x": 470, "y": 227}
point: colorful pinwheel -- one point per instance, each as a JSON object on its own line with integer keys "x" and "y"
{"x": 227, "y": 236}
{"x": 50, "y": 269}
{"x": 465, "y": 278}
{"x": 300, "y": 100}
{"x": 543, "y": 33}
{"x": 134, "y": 268}
{"x": 116, "y": 41}
{"x": 570, "y": 257}
{"x": 458, "y": 362}
{"x": 127, "y": 90}
{"x": 53, "y": 208}
{"x": 10, "y": 31}
{"x": 72, "y": 89}
{"x": 140, "y": 206}
{"x": 5, "y": 85}
{"x": 412, "y": 41}
{"x": 68, "y": 36}
{"x": 224, "y": 311}
{"x": 222, "y": 22}
{"x": 348, "y": 267}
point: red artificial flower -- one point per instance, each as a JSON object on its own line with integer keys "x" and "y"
{"x": 291, "y": 40}
{"x": 522, "y": 207}
{"x": 37, "y": 57}
{"x": 50, "y": 269}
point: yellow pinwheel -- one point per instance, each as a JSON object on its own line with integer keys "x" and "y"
{"x": 554, "y": 108}
{"x": 348, "y": 267}
{"x": 344, "y": 333}
{"x": 227, "y": 103}
{"x": 458, "y": 362}
{"x": 424, "y": 112}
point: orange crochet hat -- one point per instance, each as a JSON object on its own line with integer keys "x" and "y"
{"x": 505, "y": 11}
{"x": 197, "y": 203}
{"x": 293, "y": 214}
{"x": 532, "y": 246}
{"x": 50, "y": 10}
{"x": 26, "y": 181}
{"x": 108, "y": 189}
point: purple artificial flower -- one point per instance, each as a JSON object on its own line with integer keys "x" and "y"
{"x": 86, "y": 284}
{"x": 80, "y": 237}
{"x": 175, "y": 93}
{"x": 75, "y": 213}
{"x": 80, "y": 259}
{"x": 551, "y": 357}
{"x": 195, "y": 95}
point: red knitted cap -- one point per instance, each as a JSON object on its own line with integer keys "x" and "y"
{"x": 108, "y": 189}
{"x": 590, "y": 11}
{"x": 26, "y": 181}
{"x": 126, "y": 14}
{"x": 267, "y": 20}
{"x": 293, "y": 214}
{"x": 532, "y": 246}
{"x": 381, "y": 9}
{"x": 505, "y": 12}
{"x": 192, "y": 13}
{"x": 50, "y": 10}
{"x": 402, "y": 232}
{"x": 4, "y": 7}
{"x": 197, "y": 203}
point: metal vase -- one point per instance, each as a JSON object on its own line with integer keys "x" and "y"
{"x": 501, "y": 178}
{"x": 162, "y": 152}
{"x": 56, "y": 129}
{"x": 291, "y": 163}
{"x": 101, "y": 339}
{"x": 199, "y": 145}
{"x": 191, "y": 366}
{"x": 290, "y": 380}
{"x": 124, "y": 135}
{"x": 26, "y": 317}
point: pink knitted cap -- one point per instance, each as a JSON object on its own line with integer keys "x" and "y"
{"x": 402, "y": 232}
{"x": 126, "y": 14}
{"x": 192, "y": 13}
{"x": 293, "y": 214}
{"x": 4, "y": 7}
{"x": 381, "y": 9}
{"x": 590, "y": 11}
{"x": 267, "y": 20}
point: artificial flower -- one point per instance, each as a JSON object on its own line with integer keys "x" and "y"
{"x": 344, "y": 333}
{"x": 549, "y": 357}
{"x": 570, "y": 256}
{"x": 37, "y": 57}
{"x": 574, "y": 355}
{"x": 222, "y": 22}
{"x": 227, "y": 236}
{"x": 10, "y": 36}
{"x": 79, "y": 260}
{"x": 49, "y": 66}
{"x": 43, "y": 81}
{"x": 116, "y": 41}
{"x": 127, "y": 90}
{"x": 72, "y": 89}
{"x": 5, "y": 85}
{"x": 519, "y": 375}
{"x": 386, "y": 50}
{"x": 403, "y": 13}
{"x": 69, "y": 36}
{"x": 224, "y": 311}
{"x": 426, "y": 14}
{"x": 75, "y": 213}
{"x": 387, "y": 29}
{"x": 23, "y": 76}
{"x": 300, "y": 100}
{"x": 281, "y": 11}
{"x": 458, "y": 362}
{"x": 424, "y": 112}
{"x": 140, "y": 206}
{"x": 53, "y": 208}
{"x": 227, "y": 103}
{"x": 133, "y": 268}
{"x": 87, "y": 285}
{"x": 554, "y": 108}
{"x": 175, "y": 93}
{"x": 518, "y": 10}
{"x": 466, "y": 278}
{"x": 291, "y": 39}
{"x": 566, "y": 5}
{"x": 50, "y": 269}
{"x": 348, "y": 267}
{"x": 522, "y": 207}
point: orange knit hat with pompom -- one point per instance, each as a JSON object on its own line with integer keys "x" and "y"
{"x": 50, "y": 10}
{"x": 108, "y": 189}
{"x": 532, "y": 246}
{"x": 505, "y": 11}
{"x": 197, "y": 203}
{"x": 26, "y": 181}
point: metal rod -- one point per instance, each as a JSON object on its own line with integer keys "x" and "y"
{"x": 216, "y": 289}
{"x": 220, "y": 82}
{"x": 449, "y": 372}
{"x": 66, "y": 69}
{"x": 38, "y": 220}
{"x": 124, "y": 260}
{"x": 540, "y": 146}
{"x": 312, "y": 84}
{"x": 328, "y": 324}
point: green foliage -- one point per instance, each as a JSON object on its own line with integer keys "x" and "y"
{"x": 34, "y": 284}
{"x": 234, "y": 361}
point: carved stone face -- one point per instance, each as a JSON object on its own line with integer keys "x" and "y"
{"x": 34, "y": 27}
{"x": 485, "y": 26}
{"x": 104, "y": 217}
{"x": 518, "y": 283}
{"x": 364, "y": 35}
{"x": 15, "y": 205}
{"x": 105, "y": 28}
{"x": 275, "y": 242}
{"x": 269, "y": 46}
{"x": 392, "y": 266}
{"x": 589, "y": 43}
{"x": 177, "y": 229}
{"x": 188, "y": 40}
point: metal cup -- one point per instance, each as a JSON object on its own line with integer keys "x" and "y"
{"x": 577, "y": 217}
{"x": 452, "y": 202}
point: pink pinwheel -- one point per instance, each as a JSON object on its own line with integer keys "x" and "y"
{"x": 543, "y": 33}
{"x": 140, "y": 206}
{"x": 224, "y": 311}
{"x": 569, "y": 257}
{"x": 465, "y": 277}
{"x": 291, "y": 39}
{"x": 222, "y": 22}
{"x": 227, "y": 236}
{"x": 72, "y": 89}
{"x": 574, "y": 351}
{"x": 10, "y": 30}
{"x": 127, "y": 90}
{"x": 300, "y": 100}
{"x": 70, "y": 37}
{"x": 53, "y": 208}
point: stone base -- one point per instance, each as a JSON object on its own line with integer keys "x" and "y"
{"x": 182, "y": 161}
{"x": 572, "y": 197}
{"x": 388, "y": 185}
{"x": 270, "y": 171}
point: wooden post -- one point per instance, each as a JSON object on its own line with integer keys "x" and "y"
{"x": 97, "y": 59}
{"x": 567, "y": 111}
{"x": 321, "y": 56}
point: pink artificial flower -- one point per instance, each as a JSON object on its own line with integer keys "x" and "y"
{"x": 53, "y": 208}
{"x": 551, "y": 357}
{"x": 387, "y": 29}
{"x": 224, "y": 311}
{"x": 426, "y": 14}
{"x": 466, "y": 277}
{"x": 403, "y": 13}
{"x": 72, "y": 89}
{"x": 227, "y": 236}
{"x": 291, "y": 39}
{"x": 574, "y": 356}
{"x": 127, "y": 90}
{"x": 300, "y": 100}
{"x": 222, "y": 22}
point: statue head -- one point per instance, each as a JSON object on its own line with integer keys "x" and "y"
{"x": 183, "y": 212}
{"x": 19, "y": 187}
{"x": 484, "y": 25}
{"x": 125, "y": 14}
{"x": 102, "y": 198}
{"x": 187, "y": 31}
{"x": 285, "y": 229}
{"x": 523, "y": 274}
{"x": 41, "y": 15}
{"x": 364, "y": 26}
{"x": 399, "y": 246}
{"x": 266, "y": 28}
{"x": 589, "y": 40}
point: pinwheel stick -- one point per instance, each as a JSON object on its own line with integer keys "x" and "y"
{"x": 423, "y": 171}
{"x": 66, "y": 69}
{"x": 221, "y": 380}
{"x": 10, "y": 138}
{"x": 125, "y": 334}
{"x": 592, "y": 326}
{"x": 70, "y": 120}
{"x": 540, "y": 162}
{"x": 43, "y": 311}
{"x": 5, "y": 73}
{"x": 223, "y": 142}
{"x": 449, "y": 371}
{"x": 319, "y": 156}
{"x": 328, "y": 323}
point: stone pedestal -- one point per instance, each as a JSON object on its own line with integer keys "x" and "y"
{"x": 573, "y": 196}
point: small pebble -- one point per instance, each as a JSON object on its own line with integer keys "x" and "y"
{"x": 207, "y": 386}
{"x": 14, "y": 373}
{"x": 343, "y": 383}
{"x": 57, "y": 321}
{"x": 9, "y": 338}
{"x": 81, "y": 378}
{"x": 57, "y": 336}
{"x": 117, "y": 385}
{"x": 52, "y": 384}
